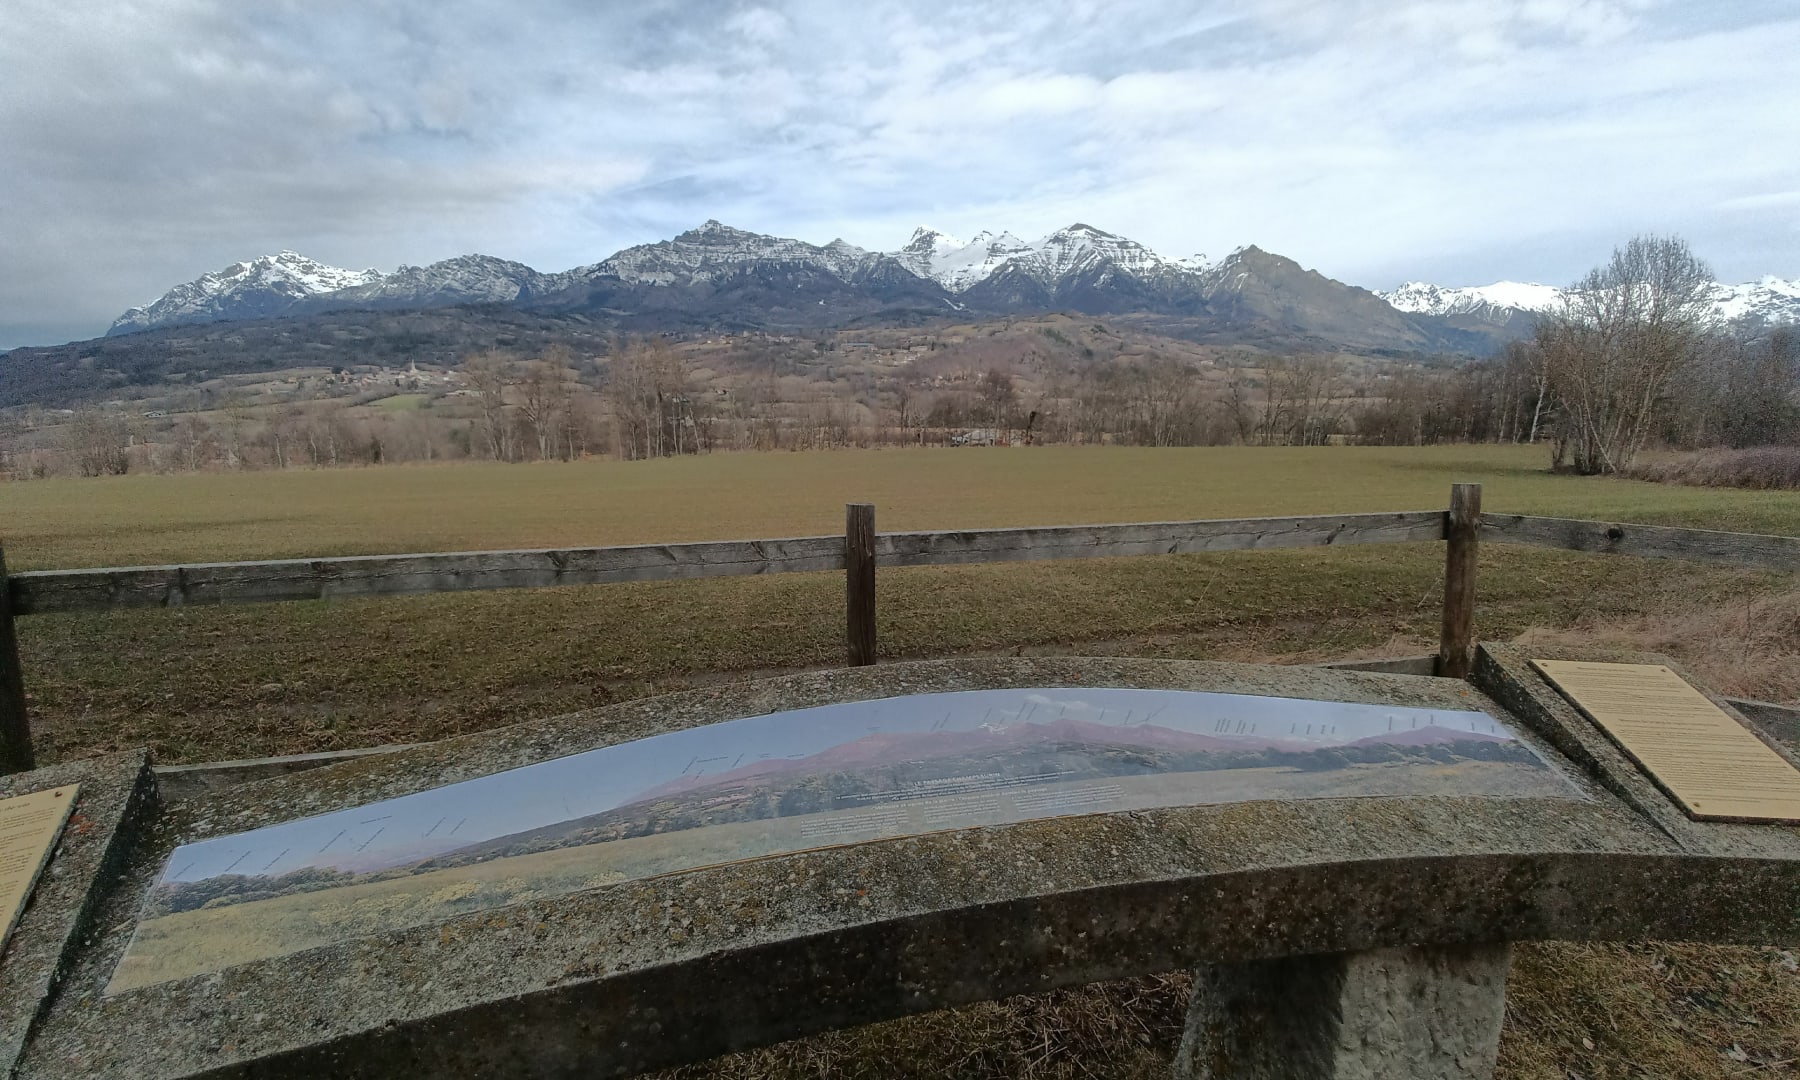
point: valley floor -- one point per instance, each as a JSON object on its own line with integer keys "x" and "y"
{"x": 208, "y": 684}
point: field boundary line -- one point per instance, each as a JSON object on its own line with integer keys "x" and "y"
{"x": 45, "y": 591}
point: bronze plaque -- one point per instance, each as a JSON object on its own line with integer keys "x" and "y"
{"x": 29, "y": 826}
{"x": 1708, "y": 762}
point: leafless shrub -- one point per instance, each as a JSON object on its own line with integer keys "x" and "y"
{"x": 1761, "y": 468}
{"x": 100, "y": 441}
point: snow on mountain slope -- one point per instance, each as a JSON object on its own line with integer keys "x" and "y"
{"x": 1496, "y": 303}
{"x": 1771, "y": 300}
{"x": 927, "y": 250}
{"x": 715, "y": 250}
{"x": 244, "y": 290}
{"x": 1080, "y": 266}
{"x": 1082, "y": 247}
{"x": 1074, "y": 250}
{"x": 466, "y": 279}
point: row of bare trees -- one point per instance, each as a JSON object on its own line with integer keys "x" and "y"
{"x": 528, "y": 409}
{"x": 652, "y": 404}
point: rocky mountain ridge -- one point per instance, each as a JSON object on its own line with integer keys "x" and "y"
{"x": 717, "y": 276}
{"x": 270, "y": 285}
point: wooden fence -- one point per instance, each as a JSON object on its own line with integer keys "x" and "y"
{"x": 857, "y": 552}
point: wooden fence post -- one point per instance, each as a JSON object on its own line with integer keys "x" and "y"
{"x": 1462, "y": 529}
{"x": 15, "y": 730}
{"x": 859, "y": 582}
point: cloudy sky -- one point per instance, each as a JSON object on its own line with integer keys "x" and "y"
{"x": 1459, "y": 141}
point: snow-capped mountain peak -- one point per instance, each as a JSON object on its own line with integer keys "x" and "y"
{"x": 1081, "y": 246}
{"x": 1426, "y": 298}
{"x": 927, "y": 250}
{"x": 466, "y": 279}
{"x": 262, "y": 286}
{"x": 959, "y": 266}
{"x": 1078, "y": 267}
{"x": 1496, "y": 303}
{"x": 714, "y": 250}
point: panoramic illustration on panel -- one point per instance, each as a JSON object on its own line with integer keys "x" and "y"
{"x": 790, "y": 781}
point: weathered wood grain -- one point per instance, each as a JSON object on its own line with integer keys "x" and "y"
{"x": 1462, "y": 532}
{"x": 389, "y": 575}
{"x": 43, "y": 591}
{"x": 1155, "y": 538}
{"x": 1647, "y": 541}
{"x": 859, "y": 583}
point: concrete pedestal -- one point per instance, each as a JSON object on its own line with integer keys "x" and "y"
{"x": 1385, "y": 1014}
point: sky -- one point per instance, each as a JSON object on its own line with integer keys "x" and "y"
{"x": 403, "y": 829}
{"x": 1456, "y": 141}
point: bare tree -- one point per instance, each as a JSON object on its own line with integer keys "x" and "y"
{"x": 1759, "y": 395}
{"x": 546, "y": 389}
{"x": 998, "y": 394}
{"x": 100, "y": 442}
{"x": 488, "y": 374}
{"x": 1623, "y": 335}
{"x": 652, "y": 409}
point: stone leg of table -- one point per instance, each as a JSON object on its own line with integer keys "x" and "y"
{"x": 1384, "y": 1014}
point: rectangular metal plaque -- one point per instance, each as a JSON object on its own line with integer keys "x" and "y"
{"x": 1707, "y": 761}
{"x": 29, "y": 826}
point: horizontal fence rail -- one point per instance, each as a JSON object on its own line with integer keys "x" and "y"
{"x": 1154, "y": 538}
{"x": 856, "y": 553}
{"x": 1756, "y": 550}
{"x": 45, "y": 591}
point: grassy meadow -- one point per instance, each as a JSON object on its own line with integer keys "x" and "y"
{"x": 186, "y": 517}
{"x": 199, "y": 684}
{"x": 203, "y": 683}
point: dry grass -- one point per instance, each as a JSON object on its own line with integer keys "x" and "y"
{"x": 1760, "y": 468}
{"x": 205, "y": 684}
{"x": 115, "y": 521}
{"x": 1610, "y": 1012}
{"x": 1747, "y": 648}
{"x": 1118, "y": 1031}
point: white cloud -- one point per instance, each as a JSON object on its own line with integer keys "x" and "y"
{"x": 1464, "y": 139}
{"x": 1769, "y": 200}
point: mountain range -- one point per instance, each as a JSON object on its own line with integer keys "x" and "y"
{"x": 716, "y": 275}
{"x": 1505, "y": 303}
{"x": 912, "y": 747}
{"x": 901, "y": 766}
